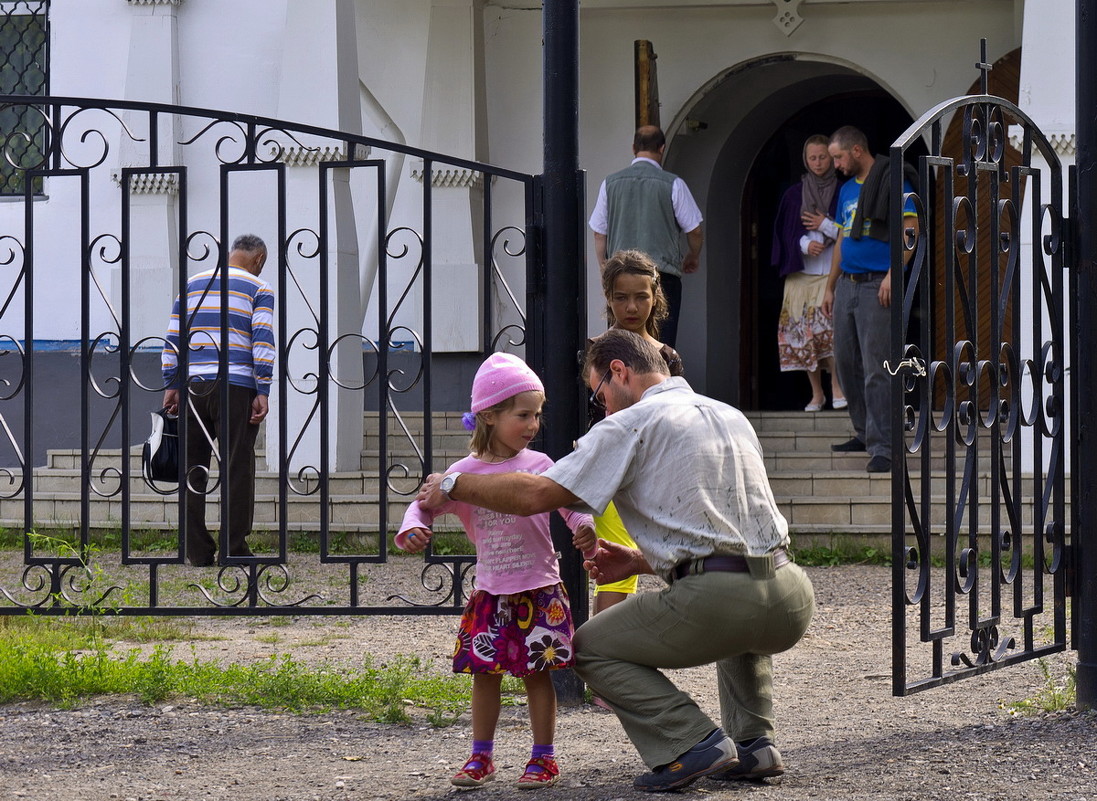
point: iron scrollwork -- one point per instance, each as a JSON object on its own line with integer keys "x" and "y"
{"x": 95, "y": 157}
{"x": 979, "y": 504}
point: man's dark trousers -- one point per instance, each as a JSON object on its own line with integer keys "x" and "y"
{"x": 205, "y": 409}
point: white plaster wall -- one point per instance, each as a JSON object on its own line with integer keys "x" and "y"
{"x": 1047, "y": 86}
{"x": 231, "y": 58}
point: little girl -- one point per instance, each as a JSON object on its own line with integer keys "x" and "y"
{"x": 518, "y": 619}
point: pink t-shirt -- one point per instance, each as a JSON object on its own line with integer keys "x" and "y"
{"x": 513, "y": 553}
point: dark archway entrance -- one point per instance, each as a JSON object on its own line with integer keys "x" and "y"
{"x": 776, "y": 167}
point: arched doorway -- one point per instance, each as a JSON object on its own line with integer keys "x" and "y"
{"x": 737, "y": 145}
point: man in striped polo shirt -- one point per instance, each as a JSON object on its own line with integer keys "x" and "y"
{"x": 250, "y": 367}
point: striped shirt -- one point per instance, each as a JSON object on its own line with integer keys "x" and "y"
{"x": 250, "y": 330}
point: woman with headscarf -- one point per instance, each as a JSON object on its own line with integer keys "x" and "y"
{"x": 803, "y": 241}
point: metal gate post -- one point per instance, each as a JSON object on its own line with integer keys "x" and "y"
{"x": 560, "y": 330}
{"x": 1084, "y": 501}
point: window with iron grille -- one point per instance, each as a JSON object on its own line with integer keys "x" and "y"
{"x": 24, "y": 70}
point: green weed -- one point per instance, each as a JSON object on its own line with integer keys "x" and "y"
{"x": 1059, "y": 692}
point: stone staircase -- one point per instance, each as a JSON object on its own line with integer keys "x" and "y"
{"x": 823, "y": 495}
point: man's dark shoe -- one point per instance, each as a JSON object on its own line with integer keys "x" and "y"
{"x": 879, "y": 464}
{"x": 851, "y": 446}
{"x": 713, "y": 754}
{"x": 760, "y": 760}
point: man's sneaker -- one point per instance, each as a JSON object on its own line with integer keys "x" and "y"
{"x": 849, "y": 446}
{"x": 761, "y": 760}
{"x": 713, "y": 754}
{"x": 478, "y": 771}
{"x": 879, "y": 464}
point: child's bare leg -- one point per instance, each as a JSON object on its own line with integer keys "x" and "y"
{"x": 485, "y": 705}
{"x": 541, "y": 700}
{"x": 604, "y": 600}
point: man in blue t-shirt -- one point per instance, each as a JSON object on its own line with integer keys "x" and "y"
{"x": 858, "y": 294}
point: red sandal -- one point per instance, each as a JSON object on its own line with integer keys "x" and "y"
{"x": 540, "y": 772}
{"x": 478, "y": 771}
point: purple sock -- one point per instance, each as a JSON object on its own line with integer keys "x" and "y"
{"x": 544, "y": 751}
{"x": 485, "y": 747}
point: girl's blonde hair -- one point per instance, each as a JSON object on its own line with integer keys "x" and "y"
{"x": 480, "y": 440}
{"x": 636, "y": 262}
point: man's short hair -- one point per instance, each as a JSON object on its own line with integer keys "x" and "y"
{"x": 648, "y": 138}
{"x": 847, "y": 137}
{"x": 637, "y": 353}
{"x": 249, "y": 243}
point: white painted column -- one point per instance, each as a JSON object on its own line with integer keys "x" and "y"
{"x": 152, "y": 75}
{"x": 454, "y": 123}
{"x": 320, "y": 86}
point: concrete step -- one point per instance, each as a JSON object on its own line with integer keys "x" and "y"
{"x": 819, "y": 491}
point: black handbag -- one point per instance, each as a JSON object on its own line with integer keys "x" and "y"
{"x": 160, "y": 455}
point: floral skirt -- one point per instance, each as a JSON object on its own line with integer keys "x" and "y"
{"x": 520, "y": 634}
{"x": 804, "y": 334}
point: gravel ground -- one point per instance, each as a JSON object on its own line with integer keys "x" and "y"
{"x": 841, "y": 732}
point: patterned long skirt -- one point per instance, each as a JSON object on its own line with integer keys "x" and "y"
{"x": 520, "y": 634}
{"x": 804, "y": 334}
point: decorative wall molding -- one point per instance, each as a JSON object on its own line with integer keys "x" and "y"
{"x": 1065, "y": 143}
{"x": 155, "y": 2}
{"x": 788, "y": 17}
{"x": 447, "y": 177}
{"x": 303, "y": 156}
{"x": 150, "y": 183}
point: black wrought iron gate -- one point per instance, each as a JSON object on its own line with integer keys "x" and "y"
{"x": 120, "y": 202}
{"x": 981, "y": 535}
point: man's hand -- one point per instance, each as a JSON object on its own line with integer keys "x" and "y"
{"x": 828, "y": 303}
{"x": 695, "y": 239}
{"x": 884, "y": 294}
{"x": 615, "y": 562}
{"x": 417, "y": 540}
{"x": 430, "y": 496}
{"x": 171, "y": 401}
{"x": 815, "y": 248}
{"x": 585, "y": 540}
{"x": 260, "y": 405}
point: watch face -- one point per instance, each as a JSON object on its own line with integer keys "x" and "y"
{"x": 447, "y": 484}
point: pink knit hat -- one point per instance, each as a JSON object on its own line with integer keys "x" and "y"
{"x": 502, "y": 376}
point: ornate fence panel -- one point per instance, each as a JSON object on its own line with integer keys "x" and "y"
{"x": 980, "y": 425}
{"x": 120, "y": 203}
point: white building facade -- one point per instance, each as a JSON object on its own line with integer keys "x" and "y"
{"x": 740, "y": 82}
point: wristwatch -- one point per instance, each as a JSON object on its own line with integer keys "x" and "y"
{"x": 446, "y": 486}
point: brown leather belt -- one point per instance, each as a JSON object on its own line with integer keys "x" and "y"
{"x": 861, "y": 278}
{"x": 724, "y": 564}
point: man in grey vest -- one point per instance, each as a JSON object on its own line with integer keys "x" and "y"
{"x": 646, "y": 208}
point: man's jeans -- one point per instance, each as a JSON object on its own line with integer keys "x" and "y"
{"x": 735, "y": 620}
{"x": 862, "y": 341}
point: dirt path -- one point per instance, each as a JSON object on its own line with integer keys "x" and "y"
{"x": 842, "y": 733}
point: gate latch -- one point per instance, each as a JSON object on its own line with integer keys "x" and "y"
{"x": 916, "y": 366}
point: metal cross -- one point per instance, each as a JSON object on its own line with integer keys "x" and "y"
{"x": 984, "y": 67}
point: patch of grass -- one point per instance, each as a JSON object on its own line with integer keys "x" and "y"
{"x": 841, "y": 554}
{"x": 66, "y": 664}
{"x": 268, "y": 639}
{"x": 1059, "y": 692}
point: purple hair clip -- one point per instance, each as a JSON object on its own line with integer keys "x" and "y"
{"x": 468, "y": 420}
